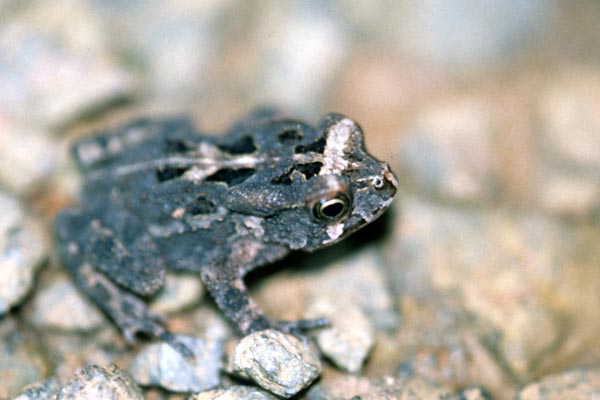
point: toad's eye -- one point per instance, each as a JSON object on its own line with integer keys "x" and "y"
{"x": 331, "y": 209}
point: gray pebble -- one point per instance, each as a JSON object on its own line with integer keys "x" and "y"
{"x": 94, "y": 382}
{"x": 277, "y": 362}
{"x": 349, "y": 339}
{"x": 179, "y": 292}
{"x": 22, "y": 247}
{"x": 160, "y": 364}
{"x": 44, "y": 390}
{"x": 234, "y": 393}
{"x": 60, "y": 298}
{"x": 34, "y": 164}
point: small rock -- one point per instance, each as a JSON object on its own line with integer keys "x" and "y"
{"x": 60, "y": 305}
{"x": 349, "y": 339}
{"x": 44, "y": 390}
{"x": 26, "y": 149}
{"x": 179, "y": 292}
{"x": 568, "y": 109}
{"x": 234, "y": 393}
{"x": 160, "y": 364}
{"x": 22, "y": 248}
{"x": 277, "y": 362}
{"x": 575, "y": 385}
{"x": 94, "y": 382}
{"x": 21, "y": 361}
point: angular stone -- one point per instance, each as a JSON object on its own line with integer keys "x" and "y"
{"x": 277, "y": 362}
{"x": 159, "y": 364}
{"x": 94, "y": 382}
{"x": 22, "y": 248}
{"x": 349, "y": 339}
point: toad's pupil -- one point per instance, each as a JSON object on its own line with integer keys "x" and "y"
{"x": 334, "y": 209}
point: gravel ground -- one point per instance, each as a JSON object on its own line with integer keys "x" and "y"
{"x": 481, "y": 282}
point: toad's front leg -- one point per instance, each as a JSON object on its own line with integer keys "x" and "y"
{"x": 231, "y": 295}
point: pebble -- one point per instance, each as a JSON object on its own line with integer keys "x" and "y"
{"x": 582, "y": 384}
{"x": 61, "y": 298}
{"x": 34, "y": 164}
{"x": 95, "y": 382}
{"x": 178, "y": 293}
{"x": 21, "y": 360}
{"x": 23, "y": 246}
{"x": 568, "y": 108}
{"x": 234, "y": 393}
{"x": 349, "y": 339}
{"x": 448, "y": 151}
{"x": 44, "y": 390}
{"x": 569, "y": 167}
{"x": 159, "y": 364}
{"x": 279, "y": 363}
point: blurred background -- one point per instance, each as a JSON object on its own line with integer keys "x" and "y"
{"x": 488, "y": 111}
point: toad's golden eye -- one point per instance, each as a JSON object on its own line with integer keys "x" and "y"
{"x": 331, "y": 209}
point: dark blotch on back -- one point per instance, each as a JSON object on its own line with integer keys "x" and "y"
{"x": 290, "y": 135}
{"x": 231, "y": 176}
{"x": 316, "y": 147}
{"x": 244, "y": 145}
{"x": 203, "y": 206}
{"x": 168, "y": 172}
{"x": 308, "y": 170}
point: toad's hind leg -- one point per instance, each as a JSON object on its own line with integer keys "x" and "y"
{"x": 127, "y": 310}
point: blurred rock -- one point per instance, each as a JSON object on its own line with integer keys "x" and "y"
{"x": 304, "y": 48}
{"x": 59, "y": 305}
{"x": 448, "y": 151}
{"x": 568, "y": 111}
{"x": 277, "y": 362}
{"x": 23, "y": 245}
{"x": 56, "y": 64}
{"x": 574, "y": 385}
{"x": 349, "y": 339}
{"x": 178, "y": 293}
{"x": 234, "y": 393}
{"x": 44, "y": 390}
{"x": 94, "y": 382}
{"x": 467, "y": 35}
{"x": 160, "y": 364}
{"x": 21, "y": 360}
{"x": 27, "y": 154}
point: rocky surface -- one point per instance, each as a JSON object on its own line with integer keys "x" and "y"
{"x": 482, "y": 282}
